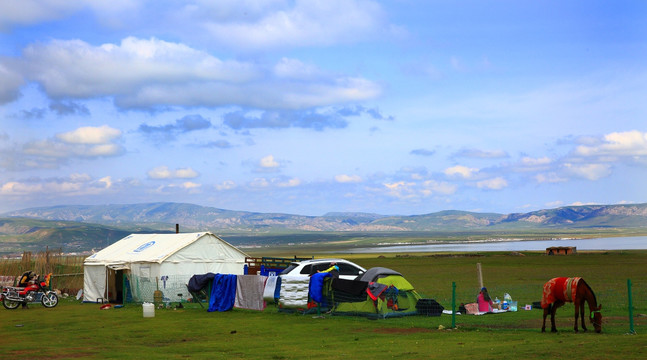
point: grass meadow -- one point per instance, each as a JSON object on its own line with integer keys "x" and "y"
{"x": 82, "y": 330}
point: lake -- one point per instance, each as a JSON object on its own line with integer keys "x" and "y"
{"x": 612, "y": 243}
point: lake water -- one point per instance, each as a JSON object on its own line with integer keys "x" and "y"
{"x": 613, "y": 243}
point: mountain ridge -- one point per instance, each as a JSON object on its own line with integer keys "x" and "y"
{"x": 88, "y": 226}
{"x": 200, "y": 217}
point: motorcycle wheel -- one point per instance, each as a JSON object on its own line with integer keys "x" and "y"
{"x": 10, "y": 304}
{"x": 49, "y": 300}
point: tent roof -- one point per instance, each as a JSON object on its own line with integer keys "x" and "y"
{"x": 375, "y": 273}
{"x": 148, "y": 248}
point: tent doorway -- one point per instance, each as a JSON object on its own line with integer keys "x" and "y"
{"x": 115, "y": 284}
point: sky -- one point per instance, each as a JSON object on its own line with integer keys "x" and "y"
{"x": 308, "y": 107}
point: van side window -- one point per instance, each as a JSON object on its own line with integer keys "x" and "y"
{"x": 347, "y": 269}
{"x": 306, "y": 270}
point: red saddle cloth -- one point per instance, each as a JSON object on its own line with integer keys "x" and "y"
{"x": 561, "y": 288}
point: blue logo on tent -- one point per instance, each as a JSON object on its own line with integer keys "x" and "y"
{"x": 143, "y": 247}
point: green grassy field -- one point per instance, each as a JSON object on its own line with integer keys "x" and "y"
{"x": 74, "y": 330}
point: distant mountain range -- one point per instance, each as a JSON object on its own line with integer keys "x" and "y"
{"x": 83, "y": 227}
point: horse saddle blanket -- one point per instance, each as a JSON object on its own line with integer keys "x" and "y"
{"x": 561, "y": 288}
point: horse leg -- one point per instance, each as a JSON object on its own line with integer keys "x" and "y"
{"x": 577, "y": 313}
{"x": 546, "y": 311}
{"x": 555, "y": 305}
{"x": 582, "y": 316}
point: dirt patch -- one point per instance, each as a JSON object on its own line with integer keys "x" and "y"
{"x": 403, "y": 331}
{"x": 503, "y": 326}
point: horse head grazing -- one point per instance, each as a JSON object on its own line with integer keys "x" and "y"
{"x": 596, "y": 319}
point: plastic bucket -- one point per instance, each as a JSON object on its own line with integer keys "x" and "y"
{"x": 149, "y": 309}
{"x": 513, "y": 306}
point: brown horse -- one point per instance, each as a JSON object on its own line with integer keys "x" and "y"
{"x": 559, "y": 291}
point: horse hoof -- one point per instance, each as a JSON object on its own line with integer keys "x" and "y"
{"x": 553, "y": 330}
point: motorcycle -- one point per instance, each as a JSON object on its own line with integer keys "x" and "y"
{"x": 12, "y": 296}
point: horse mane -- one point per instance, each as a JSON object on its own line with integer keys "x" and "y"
{"x": 591, "y": 290}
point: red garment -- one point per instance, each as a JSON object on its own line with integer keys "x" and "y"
{"x": 561, "y": 288}
{"x": 484, "y": 306}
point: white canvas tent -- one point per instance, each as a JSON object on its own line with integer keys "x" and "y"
{"x": 139, "y": 264}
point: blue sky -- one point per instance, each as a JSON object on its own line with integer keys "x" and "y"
{"x": 309, "y": 107}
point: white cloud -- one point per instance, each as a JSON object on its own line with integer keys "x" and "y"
{"x": 150, "y": 73}
{"x": 186, "y": 173}
{"x": 295, "y": 69}
{"x": 107, "y": 181}
{"x": 226, "y": 185}
{"x": 90, "y": 135}
{"x": 82, "y": 143}
{"x": 343, "y": 178}
{"x": 588, "y": 171}
{"x": 549, "y": 178}
{"x": 73, "y": 185}
{"x": 190, "y": 185}
{"x": 579, "y": 203}
{"x": 461, "y": 171}
{"x": 18, "y": 188}
{"x": 401, "y": 189}
{"x": 259, "y": 183}
{"x": 76, "y": 68}
{"x": 289, "y": 183}
{"x": 497, "y": 183}
{"x": 528, "y": 161}
{"x": 10, "y": 83}
{"x": 530, "y": 164}
{"x": 434, "y": 187}
{"x": 30, "y": 12}
{"x": 416, "y": 191}
{"x": 629, "y": 143}
{"x": 300, "y": 23}
{"x": 163, "y": 172}
{"x": 268, "y": 162}
{"x": 184, "y": 188}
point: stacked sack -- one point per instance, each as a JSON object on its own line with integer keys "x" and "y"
{"x": 294, "y": 292}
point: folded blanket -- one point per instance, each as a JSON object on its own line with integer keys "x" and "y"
{"x": 249, "y": 292}
{"x": 374, "y": 290}
{"x": 198, "y": 282}
{"x": 316, "y": 287}
{"x": 223, "y": 293}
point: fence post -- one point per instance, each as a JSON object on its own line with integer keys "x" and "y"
{"x": 453, "y": 304}
{"x": 479, "y": 273}
{"x": 631, "y": 308}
